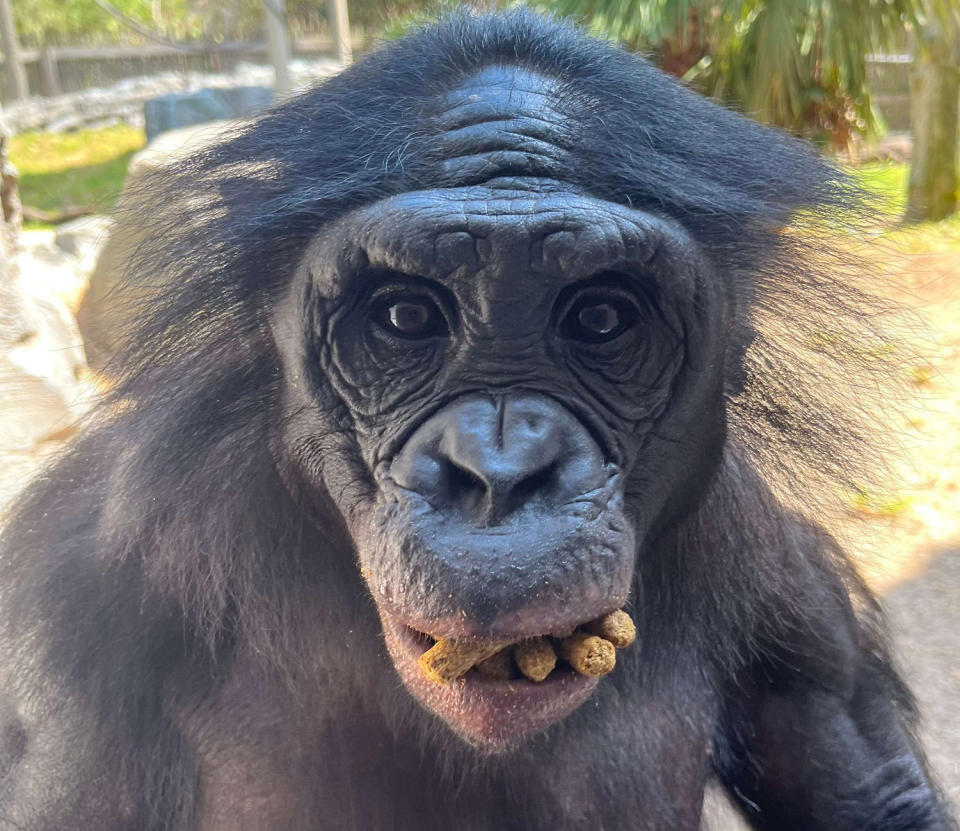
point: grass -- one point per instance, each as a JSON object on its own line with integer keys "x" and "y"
{"x": 868, "y": 502}
{"x": 888, "y": 180}
{"x": 86, "y": 168}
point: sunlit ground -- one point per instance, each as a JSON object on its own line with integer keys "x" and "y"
{"x": 895, "y": 534}
{"x": 922, "y": 516}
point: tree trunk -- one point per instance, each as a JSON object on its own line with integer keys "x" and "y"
{"x": 935, "y": 97}
{"x": 49, "y": 72}
{"x": 13, "y": 62}
{"x": 278, "y": 44}
{"x": 340, "y": 29}
{"x": 11, "y": 213}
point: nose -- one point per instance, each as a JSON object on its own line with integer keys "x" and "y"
{"x": 487, "y": 458}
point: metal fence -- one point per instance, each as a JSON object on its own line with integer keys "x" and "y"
{"x": 72, "y": 69}
{"x": 889, "y": 79}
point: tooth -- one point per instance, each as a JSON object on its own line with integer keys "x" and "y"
{"x": 617, "y": 627}
{"x": 449, "y": 659}
{"x": 535, "y": 657}
{"x": 588, "y": 654}
{"x": 499, "y": 666}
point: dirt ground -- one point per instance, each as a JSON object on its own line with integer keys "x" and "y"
{"x": 922, "y": 521}
{"x": 916, "y": 562}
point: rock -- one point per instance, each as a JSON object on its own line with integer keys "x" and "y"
{"x": 15, "y": 321}
{"x": 43, "y": 391}
{"x": 41, "y": 363}
{"x": 177, "y": 110}
{"x": 170, "y": 146}
{"x": 81, "y": 237}
{"x": 41, "y": 353}
{"x": 49, "y": 272}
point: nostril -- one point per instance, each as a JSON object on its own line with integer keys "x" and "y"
{"x": 493, "y": 499}
{"x": 530, "y": 487}
{"x": 464, "y": 486}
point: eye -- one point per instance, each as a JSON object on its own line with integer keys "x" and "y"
{"x": 598, "y": 318}
{"x": 411, "y": 317}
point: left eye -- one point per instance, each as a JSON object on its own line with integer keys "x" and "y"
{"x": 411, "y": 317}
{"x": 595, "y": 319}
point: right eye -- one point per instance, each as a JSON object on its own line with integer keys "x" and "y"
{"x": 411, "y": 316}
{"x": 598, "y": 318}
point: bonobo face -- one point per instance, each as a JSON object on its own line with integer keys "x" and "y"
{"x": 506, "y": 386}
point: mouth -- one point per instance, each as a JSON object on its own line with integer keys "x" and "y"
{"x": 495, "y": 694}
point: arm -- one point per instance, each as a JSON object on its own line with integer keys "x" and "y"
{"x": 804, "y": 757}
{"x": 816, "y": 739}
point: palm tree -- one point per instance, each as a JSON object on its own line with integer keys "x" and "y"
{"x": 935, "y": 94}
{"x": 799, "y": 64}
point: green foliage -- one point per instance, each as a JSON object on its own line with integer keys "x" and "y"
{"x": 393, "y": 18}
{"x": 58, "y": 22}
{"x": 68, "y": 170}
{"x": 887, "y": 181}
{"x": 408, "y": 16}
{"x": 422, "y": 13}
{"x": 72, "y": 22}
{"x": 872, "y": 503}
{"x": 798, "y": 64}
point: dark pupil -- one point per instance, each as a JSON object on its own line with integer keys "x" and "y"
{"x": 601, "y": 319}
{"x": 410, "y": 318}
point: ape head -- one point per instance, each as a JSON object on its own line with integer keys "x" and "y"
{"x": 488, "y": 293}
{"x": 504, "y": 346}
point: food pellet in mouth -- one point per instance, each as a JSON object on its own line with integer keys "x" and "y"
{"x": 588, "y": 654}
{"x": 449, "y": 659}
{"x": 535, "y": 658}
{"x": 590, "y": 651}
{"x": 499, "y": 665}
{"x": 616, "y": 627}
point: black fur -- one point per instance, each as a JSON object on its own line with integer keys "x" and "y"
{"x": 189, "y": 643}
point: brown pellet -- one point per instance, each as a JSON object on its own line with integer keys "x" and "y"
{"x": 588, "y": 654}
{"x": 449, "y": 659}
{"x": 499, "y": 665}
{"x": 617, "y": 627}
{"x": 535, "y": 658}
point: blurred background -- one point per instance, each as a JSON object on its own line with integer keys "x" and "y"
{"x": 95, "y": 93}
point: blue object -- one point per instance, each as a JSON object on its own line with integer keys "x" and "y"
{"x": 169, "y": 112}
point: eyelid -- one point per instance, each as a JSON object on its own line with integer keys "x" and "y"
{"x": 391, "y": 285}
{"x": 597, "y": 293}
{"x": 385, "y": 294}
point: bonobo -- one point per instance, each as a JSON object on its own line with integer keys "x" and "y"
{"x": 495, "y": 333}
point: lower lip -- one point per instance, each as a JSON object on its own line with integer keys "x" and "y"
{"x": 489, "y": 713}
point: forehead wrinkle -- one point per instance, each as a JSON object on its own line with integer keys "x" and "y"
{"x": 522, "y": 93}
{"x": 501, "y": 121}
